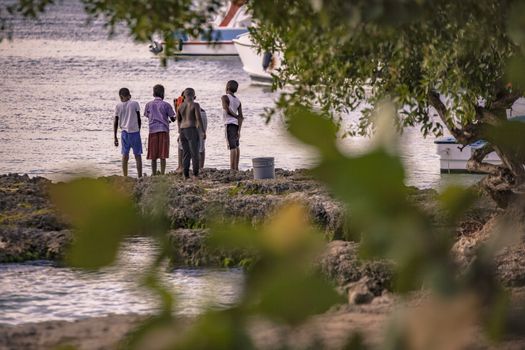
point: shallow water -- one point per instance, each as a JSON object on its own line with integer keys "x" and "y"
{"x": 39, "y": 291}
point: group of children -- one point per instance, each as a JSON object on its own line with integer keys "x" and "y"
{"x": 191, "y": 125}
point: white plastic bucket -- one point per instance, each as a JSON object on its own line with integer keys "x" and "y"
{"x": 263, "y": 168}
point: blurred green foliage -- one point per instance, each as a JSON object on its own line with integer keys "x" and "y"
{"x": 101, "y": 218}
{"x": 403, "y": 51}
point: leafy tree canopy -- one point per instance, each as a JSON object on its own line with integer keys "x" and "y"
{"x": 461, "y": 61}
{"x": 403, "y": 50}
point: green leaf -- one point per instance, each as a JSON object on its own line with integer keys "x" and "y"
{"x": 313, "y": 130}
{"x": 101, "y": 217}
{"x": 456, "y": 200}
{"x": 291, "y": 296}
{"x": 515, "y": 72}
{"x": 220, "y": 330}
{"x": 509, "y": 138}
{"x": 371, "y": 185}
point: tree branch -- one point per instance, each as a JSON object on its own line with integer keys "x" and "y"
{"x": 466, "y": 135}
{"x": 475, "y": 163}
{"x": 505, "y": 100}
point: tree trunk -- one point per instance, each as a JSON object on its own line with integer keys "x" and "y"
{"x": 501, "y": 180}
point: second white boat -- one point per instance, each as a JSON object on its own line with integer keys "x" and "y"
{"x": 259, "y": 66}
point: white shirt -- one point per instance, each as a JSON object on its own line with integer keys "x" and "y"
{"x": 204, "y": 118}
{"x": 234, "y": 107}
{"x": 127, "y": 115}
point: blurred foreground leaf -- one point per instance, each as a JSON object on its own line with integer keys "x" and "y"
{"x": 291, "y": 296}
{"x": 515, "y": 72}
{"x": 456, "y": 200}
{"x": 220, "y": 330}
{"x": 313, "y": 130}
{"x": 101, "y": 217}
{"x": 281, "y": 285}
{"x": 509, "y": 136}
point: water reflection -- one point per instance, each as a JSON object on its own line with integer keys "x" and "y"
{"x": 34, "y": 292}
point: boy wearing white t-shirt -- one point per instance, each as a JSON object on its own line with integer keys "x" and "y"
{"x": 127, "y": 116}
{"x": 232, "y": 119}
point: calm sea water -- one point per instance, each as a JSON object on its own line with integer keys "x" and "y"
{"x": 58, "y": 92}
{"x": 39, "y": 291}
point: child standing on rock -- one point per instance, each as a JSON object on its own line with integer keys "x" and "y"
{"x": 177, "y": 103}
{"x": 127, "y": 116}
{"x": 189, "y": 120}
{"x": 159, "y": 114}
{"x": 232, "y": 118}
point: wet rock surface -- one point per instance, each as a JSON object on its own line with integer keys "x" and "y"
{"x": 502, "y": 233}
{"x": 191, "y": 248}
{"x": 341, "y": 264}
{"x": 30, "y": 228}
{"x": 220, "y": 195}
{"x": 20, "y": 244}
{"x": 227, "y": 195}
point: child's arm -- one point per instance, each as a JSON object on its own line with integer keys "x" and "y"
{"x": 179, "y": 119}
{"x": 115, "y": 127}
{"x": 146, "y": 112}
{"x": 171, "y": 112}
{"x": 226, "y": 106}
{"x": 240, "y": 119}
{"x": 198, "y": 116}
{"x": 137, "y": 109}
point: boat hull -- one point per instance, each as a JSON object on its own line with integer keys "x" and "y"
{"x": 253, "y": 61}
{"x": 219, "y": 42}
{"x": 453, "y": 157}
{"x": 204, "y": 48}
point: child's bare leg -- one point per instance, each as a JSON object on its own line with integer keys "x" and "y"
{"x": 163, "y": 166}
{"x": 153, "y": 167}
{"x": 179, "y": 164}
{"x": 232, "y": 159}
{"x": 201, "y": 160}
{"x": 138, "y": 160}
{"x": 125, "y": 159}
{"x": 237, "y": 157}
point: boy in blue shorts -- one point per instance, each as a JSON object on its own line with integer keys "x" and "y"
{"x": 127, "y": 116}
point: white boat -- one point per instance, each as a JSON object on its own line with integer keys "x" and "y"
{"x": 231, "y": 21}
{"x": 454, "y": 156}
{"x": 221, "y": 43}
{"x": 259, "y": 66}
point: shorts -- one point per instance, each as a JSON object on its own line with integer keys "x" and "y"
{"x": 159, "y": 145}
{"x": 202, "y": 143}
{"x": 232, "y": 136}
{"x": 129, "y": 141}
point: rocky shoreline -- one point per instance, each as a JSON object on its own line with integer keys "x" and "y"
{"x": 31, "y": 229}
